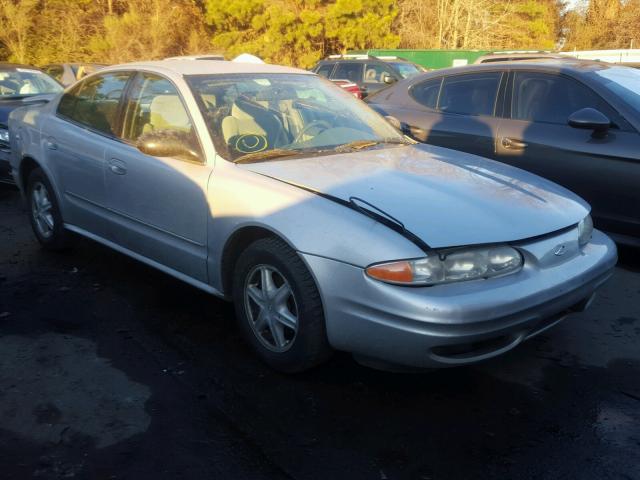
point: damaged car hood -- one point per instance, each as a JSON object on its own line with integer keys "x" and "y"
{"x": 444, "y": 197}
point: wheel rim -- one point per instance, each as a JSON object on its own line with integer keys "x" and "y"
{"x": 42, "y": 210}
{"x": 271, "y": 308}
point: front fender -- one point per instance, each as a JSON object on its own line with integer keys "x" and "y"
{"x": 309, "y": 223}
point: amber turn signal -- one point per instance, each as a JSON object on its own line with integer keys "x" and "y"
{"x": 396, "y": 272}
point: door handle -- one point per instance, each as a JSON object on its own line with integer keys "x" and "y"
{"x": 117, "y": 167}
{"x": 513, "y": 144}
{"x": 51, "y": 144}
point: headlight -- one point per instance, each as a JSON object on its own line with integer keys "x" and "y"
{"x": 585, "y": 230}
{"x": 455, "y": 266}
{"x": 4, "y": 135}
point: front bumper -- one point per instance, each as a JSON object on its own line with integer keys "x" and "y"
{"x": 463, "y": 322}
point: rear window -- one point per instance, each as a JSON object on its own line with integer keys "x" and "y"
{"x": 470, "y": 94}
{"x": 426, "y": 93}
{"x": 95, "y": 101}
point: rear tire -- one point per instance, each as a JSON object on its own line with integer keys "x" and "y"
{"x": 44, "y": 212}
{"x": 278, "y": 307}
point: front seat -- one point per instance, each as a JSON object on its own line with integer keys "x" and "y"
{"x": 248, "y": 118}
{"x": 166, "y": 112}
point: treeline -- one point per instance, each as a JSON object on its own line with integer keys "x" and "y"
{"x": 299, "y": 32}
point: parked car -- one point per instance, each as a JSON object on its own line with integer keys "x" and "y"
{"x": 329, "y": 229}
{"x": 574, "y": 122}
{"x": 20, "y": 85}
{"x": 69, "y": 73}
{"x": 370, "y": 73}
{"x": 350, "y": 87}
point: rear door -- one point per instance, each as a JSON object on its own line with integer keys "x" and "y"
{"x": 75, "y": 141}
{"x": 536, "y": 137}
{"x": 158, "y": 205}
{"x": 456, "y": 111}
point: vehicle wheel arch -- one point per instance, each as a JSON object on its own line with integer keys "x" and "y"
{"x": 237, "y": 242}
{"x": 27, "y": 165}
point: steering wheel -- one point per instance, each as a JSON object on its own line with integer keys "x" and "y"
{"x": 315, "y": 124}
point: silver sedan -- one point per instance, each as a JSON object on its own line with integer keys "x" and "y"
{"x": 329, "y": 230}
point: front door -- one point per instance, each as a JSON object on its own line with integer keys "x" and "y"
{"x": 604, "y": 171}
{"x": 159, "y": 204}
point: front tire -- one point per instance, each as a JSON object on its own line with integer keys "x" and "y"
{"x": 278, "y": 307}
{"x": 44, "y": 212}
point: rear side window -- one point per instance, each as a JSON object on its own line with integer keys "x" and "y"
{"x": 426, "y": 93}
{"x": 348, "y": 71}
{"x": 470, "y": 94}
{"x": 95, "y": 102}
{"x": 549, "y": 98}
{"x": 325, "y": 70}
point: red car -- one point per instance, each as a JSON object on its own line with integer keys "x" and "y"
{"x": 350, "y": 87}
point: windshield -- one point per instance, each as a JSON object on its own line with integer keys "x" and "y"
{"x": 624, "y": 82}
{"x": 288, "y": 113}
{"x": 22, "y": 82}
{"x": 406, "y": 69}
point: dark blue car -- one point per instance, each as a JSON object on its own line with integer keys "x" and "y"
{"x": 20, "y": 85}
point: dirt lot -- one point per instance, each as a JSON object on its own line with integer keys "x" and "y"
{"x": 111, "y": 370}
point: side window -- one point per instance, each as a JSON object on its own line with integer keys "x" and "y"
{"x": 325, "y": 70}
{"x": 373, "y": 73}
{"x": 154, "y": 108}
{"x": 470, "y": 94}
{"x": 426, "y": 93}
{"x": 348, "y": 71}
{"x": 95, "y": 102}
{"x": 548, "y": 98}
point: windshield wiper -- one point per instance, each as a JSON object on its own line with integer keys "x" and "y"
{"x": 266, "y": 155}
{"x": 362, "y": 144}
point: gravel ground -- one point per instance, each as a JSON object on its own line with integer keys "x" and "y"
{"x": 111, "y": 370}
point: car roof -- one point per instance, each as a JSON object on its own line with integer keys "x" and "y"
{"x": 366, "y": 59}
{"x": 13, "y": 66}
{"x": 520, "y": 55}
{"x": 204, "y": 67}
{"x": 548, "y": 64}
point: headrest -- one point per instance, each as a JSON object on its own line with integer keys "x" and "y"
{"x": 245, "y": 109}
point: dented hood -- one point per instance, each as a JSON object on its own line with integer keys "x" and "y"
{"x": 445, "y": 197}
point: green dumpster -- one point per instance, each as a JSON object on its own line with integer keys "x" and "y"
{"x": 431, "y": 59}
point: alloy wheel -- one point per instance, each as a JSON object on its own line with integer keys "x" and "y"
{"x": 42, "y": 210}
{"x": 271, "y": 308}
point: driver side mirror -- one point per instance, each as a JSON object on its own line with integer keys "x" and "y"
{"x": 590, "y": 119}
{"x": 169, "y": 143}
{"x": 388, "y": 79}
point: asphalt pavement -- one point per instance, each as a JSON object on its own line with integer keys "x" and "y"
{"x": 111, "y": 370}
